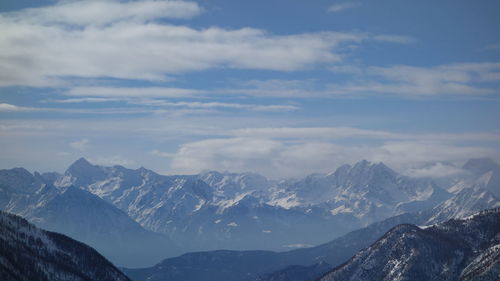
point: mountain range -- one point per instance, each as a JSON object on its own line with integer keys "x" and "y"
{"x": 112, "y": 208}
{"x": 82, "y": 216}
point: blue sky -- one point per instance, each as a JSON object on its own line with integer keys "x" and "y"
{"x": 283, "y": 88}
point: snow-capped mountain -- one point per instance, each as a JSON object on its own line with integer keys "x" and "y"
{"x": 81, "y": 215}
{"x": 477, "y": 190}
{"x": 367, "y": 191}
{"x": 468, "y": 201}
{"x": 215, "y": 210}
{"x": 309, "y": 263}
{"x": 30, "y": 253}
{"x": 207, "y": 211}
{"x": 465, "y": 249}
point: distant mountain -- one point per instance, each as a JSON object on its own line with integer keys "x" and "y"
{"x": 29, "y": 253}
{"x": 454, "y": 250}
{"x": 211, "y": 266}
{"x": 468, "y": 201}
{"x": 207, "y": 211}
{"x": 83, "y": 216}
{"x": 297, "y": 273}
{"x": 243, "y": 211}
{"x": 366, "y": 191}
{"x": 309, "y": 263}
{"x": 215, "y": 210}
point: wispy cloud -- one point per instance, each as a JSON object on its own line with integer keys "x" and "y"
{"x": 434, "y": 170}
{"x": 102, "y": 12}
{"x": 403, "y": 81}
{"x": 112, "y": 160}
{"x": 154, "y": 50}
{"x": 495, "y": 46}
{"x": 277, "y": 159}
{"x": 410, "y": 81}
{"x": 131, "y": 92}
{"x": 80, "y": 145}
{"x": 210, "y": 105}
{"x": 7, "y": 107}
{"x": 335, "y": 8}
{"x": 159, "y": 153}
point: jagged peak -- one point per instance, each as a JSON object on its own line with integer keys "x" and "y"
{"x": 365, "y": 165}
{"x": 81, "y": 164}
{"x": 18, "y": 171}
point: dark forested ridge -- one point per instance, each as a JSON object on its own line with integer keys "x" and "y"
{"x": 29, "y": 253}
{"x": 461, "y": 249}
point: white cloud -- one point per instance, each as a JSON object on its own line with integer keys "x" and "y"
{"x": 315, "y": 133}
{"x": 277, "y": 88}
{"x": 122, "y": 92}
{"x": 159, "y": 153}
{"x": 82, "y": 100}
{"x": 276, "y": 158}
{"x": 435, "y": 170}
{"x": 342, "y": 6}
{"x": 223, "y": 143}
{"x": 112, "y": 160}
{"x": 101, "y": 12}
{"x": 210, "y": 105}
{"x": 80, "y": 145}
{"x": 7, "y": 107}
{"x": 466, "y": 79}
{"x": 39, "y": 51}
{"x": 410, "y": 81}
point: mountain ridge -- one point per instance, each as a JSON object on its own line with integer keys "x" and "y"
{"x": 30, "y": 253}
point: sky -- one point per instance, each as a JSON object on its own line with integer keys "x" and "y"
{"x": 281, "y": 88}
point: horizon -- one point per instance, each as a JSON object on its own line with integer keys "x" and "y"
{"x": 434, "y": 170}
{"x": 282, "y": 90}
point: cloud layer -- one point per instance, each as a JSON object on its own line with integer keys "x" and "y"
{"x": 278, "y": 159}
{"x": 42, "y": 46}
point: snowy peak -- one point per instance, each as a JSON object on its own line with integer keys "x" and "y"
{"x": 82, "y": 173}
{"x": 229, "y": 185}
{"x": 80, "y": 165}
{"x": 367, "y": 167}
{"x": 464, "y": 203}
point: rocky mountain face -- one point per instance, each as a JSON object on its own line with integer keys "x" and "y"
{"x": 247, "y": 211}
{"x": 301, "y": 264}
{"x": 466, "y": 202}
{"x": 81, "y": 215}
{"x": 113, "y": 206}
{"x": 455, "y": 250}
{"x": 29, "y": 253}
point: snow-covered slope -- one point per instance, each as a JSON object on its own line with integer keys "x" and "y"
{"x": 445, "y": 251}
{"x": 461, "y": 205}
{"x": 208, "y": 211}
{"x": 245, "y": 211}
{"x": 367, "y": 191}
{"x": 29, "y": 253}
{"x": 83, "y": 216}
